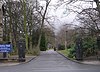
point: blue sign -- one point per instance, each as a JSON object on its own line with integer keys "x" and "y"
{"x": 5, "y": 47}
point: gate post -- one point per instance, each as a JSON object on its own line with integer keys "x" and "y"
{"x": 21, "y": 50}
{"x": 98, "y": 46}
{"x": 78, "y": 49}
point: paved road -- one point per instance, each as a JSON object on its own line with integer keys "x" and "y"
{"x": 51, "y": 61}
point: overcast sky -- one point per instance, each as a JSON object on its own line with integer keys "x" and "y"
{"x": 62, "y": 13}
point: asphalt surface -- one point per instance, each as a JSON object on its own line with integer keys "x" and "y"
{"x": 51, "y": 61}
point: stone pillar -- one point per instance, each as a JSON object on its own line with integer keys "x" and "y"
{"x": 78, "y": 49}
{"x": 21, "y": 50}
{"x": 98, "y": 46}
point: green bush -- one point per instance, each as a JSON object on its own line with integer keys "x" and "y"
{"x": 43, "y": 43}
{"x": 61, "y": 47}
{"x": 35, "y": 37}
{"x": 89, "y": 46}
{"x": 69, "y": 46}
{"x": 71, "y": 51}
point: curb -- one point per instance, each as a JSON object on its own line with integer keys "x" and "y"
{"x": 6, "y": 65}
{"x": 79, "y": 62}
{"x": 27, "y": 61}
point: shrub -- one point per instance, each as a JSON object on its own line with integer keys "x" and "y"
{"x": 89, "y": 46}
{"x": 69, "y": 46}
{"x": 43, "y": 43}
{"x": 71, "y": 51}
{"x": 61, "y": 47}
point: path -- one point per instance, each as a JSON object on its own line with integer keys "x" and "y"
{"x": 51, "y": 61}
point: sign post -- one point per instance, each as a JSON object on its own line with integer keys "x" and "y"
{"x": 5, "y": 48}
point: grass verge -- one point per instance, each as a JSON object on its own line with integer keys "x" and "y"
{"x": 67, "y": 54}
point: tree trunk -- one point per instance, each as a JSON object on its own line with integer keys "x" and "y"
{"x": 42, "y": 25}
{"x": 25, "y": 27}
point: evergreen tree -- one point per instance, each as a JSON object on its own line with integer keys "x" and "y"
{"x": 43, "y": 43}
{"x": 35, "y": 37}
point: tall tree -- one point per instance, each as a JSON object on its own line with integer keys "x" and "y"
{"x": 43, "y": 15}
{"x": 25, "y": 24}
{"x": 43, "y": 42}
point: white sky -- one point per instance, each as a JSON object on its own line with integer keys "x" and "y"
{"x": 62, "y": 15}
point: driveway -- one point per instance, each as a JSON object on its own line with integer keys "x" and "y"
{"x": 51, "y": 61}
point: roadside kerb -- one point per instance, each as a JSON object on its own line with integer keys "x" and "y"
{"x": 15, "y": 64}
{"x": 27, "y": 61}
{"x": 80, "y": 62}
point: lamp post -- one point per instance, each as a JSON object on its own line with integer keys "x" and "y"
{"x": 66, "y": 39}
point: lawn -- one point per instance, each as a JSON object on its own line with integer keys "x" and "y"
{"x": 67, "y": 53}
{"x": 64, "y": 52}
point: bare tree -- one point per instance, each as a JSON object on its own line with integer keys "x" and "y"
{"x": 43, "y": 16}
{"x": 89, "y": 19}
